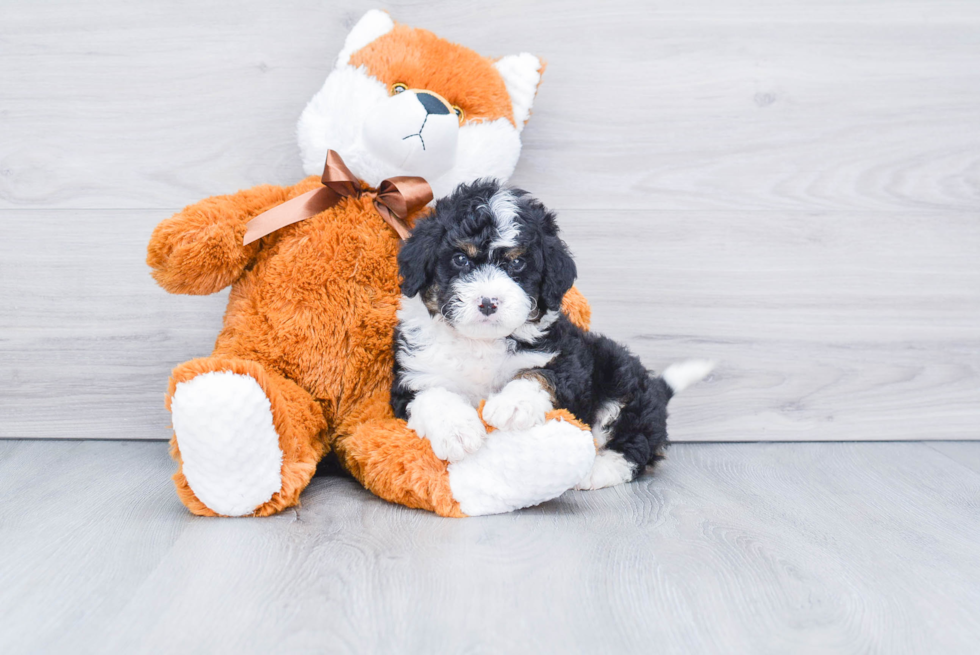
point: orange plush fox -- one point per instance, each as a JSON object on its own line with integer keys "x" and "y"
{"x": 303, "y": 363}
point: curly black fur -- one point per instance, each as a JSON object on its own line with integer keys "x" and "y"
{"x": 589, "y": 374}
{"x": 592, "y": 371}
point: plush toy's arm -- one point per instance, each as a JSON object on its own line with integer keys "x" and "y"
{"x": 577, "y": 308}
{"x": 199, "y": 250}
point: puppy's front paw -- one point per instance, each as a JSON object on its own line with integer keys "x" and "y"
{"x": 452, "y": 439}
{"x": 453, "y": 428}
{"x": 521, "y": 405}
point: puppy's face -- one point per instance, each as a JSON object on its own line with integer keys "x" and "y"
{"x": 489, "y": 260}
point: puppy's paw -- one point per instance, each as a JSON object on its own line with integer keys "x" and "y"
{"x": 521, "y": 405}
{"x": 454, "y": 437}
{"x": 453, "y": 428}
{"x": 609, "y": 469}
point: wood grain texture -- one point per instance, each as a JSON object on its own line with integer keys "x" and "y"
{"x": 668, "y": 105}
{"x": 963, "y": 453}
{"x": 792, "y": 189}
{"x": 823, "y": 329}
{"x": 728, "y": 548}
{"x": 90, "y": 340}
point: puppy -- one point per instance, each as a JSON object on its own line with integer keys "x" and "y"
{"x": 480, "y": 317}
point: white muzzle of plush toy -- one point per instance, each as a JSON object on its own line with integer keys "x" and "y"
{"x": 415, "y": 131}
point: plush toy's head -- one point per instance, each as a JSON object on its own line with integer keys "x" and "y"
{"x": 402, "y": 101}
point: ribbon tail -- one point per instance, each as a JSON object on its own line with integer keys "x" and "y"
{"x": 292, "y": 211}
{"x": 397, "y": 224}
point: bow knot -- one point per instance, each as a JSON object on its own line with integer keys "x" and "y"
{"x": 395, "y": 199}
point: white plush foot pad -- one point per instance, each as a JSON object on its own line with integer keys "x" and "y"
{"x": 521, "y": 469}
{"x": 227, "y": 441}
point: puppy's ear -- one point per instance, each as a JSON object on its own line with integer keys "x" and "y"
{"x": 559, "y": 267}
{"x": 418, "y": 256}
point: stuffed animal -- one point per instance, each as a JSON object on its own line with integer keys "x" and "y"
{"x": 303, "y": 364}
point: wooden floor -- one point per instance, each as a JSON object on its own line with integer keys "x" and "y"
{"x": 792, "y": 188}
{"x": 729, "y": 548}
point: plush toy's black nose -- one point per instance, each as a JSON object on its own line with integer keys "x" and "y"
{"x": 488, "y": 306}
{"x": 432, "y": 104}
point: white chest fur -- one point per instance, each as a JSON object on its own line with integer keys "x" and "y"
{"x": 437, "y": 356}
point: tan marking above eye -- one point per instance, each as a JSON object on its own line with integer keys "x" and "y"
{"x": 470, "y": 249}
{"x": 514, "y": 253}
{"x": 398, "y": 87}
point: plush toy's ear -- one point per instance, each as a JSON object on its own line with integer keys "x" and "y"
{"x": 418, "y": 256}
{"x": 522, "y": 75}
{"x": 373, "y": 24}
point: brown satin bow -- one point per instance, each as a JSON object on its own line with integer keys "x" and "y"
{"x": 395, "y": 199}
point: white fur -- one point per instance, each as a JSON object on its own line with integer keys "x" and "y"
{"x": 451, "y": 425}
{"x": 503, "y": 208}
{"x": 337, "y": 115}
{"x": 682, "y": 375}
{"x": 531, "y": 332}
{"x": 373, "y": 24}
{"x": 485, "y": 150}
{"x": 488, "y": 281}
{"x": 521, "y": 75}
{"x": 610, "y": 468}
{"x": 227, "y": 440}
{"x": 604, "y": 419}
{"x": 334, "y": 118}
{"x": 399, "y": 132}
{"x": 520, "y": 405}
{"x": 520, "y": 469}
{"x": 437, "y": 355}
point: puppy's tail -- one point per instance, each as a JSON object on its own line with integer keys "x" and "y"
{"x": 680, "y": 376}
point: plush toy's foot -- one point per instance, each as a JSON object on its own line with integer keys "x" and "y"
{"x": 511, "y": 470}
{"x": 247, "y": 440}
{"x": 394, "y": 463}
{"x": 521, "y": 469}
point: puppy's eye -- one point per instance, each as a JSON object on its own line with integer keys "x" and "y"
{"x": 398, "y": 87}
{"x": 459, "y": 113}
{"x": 460, "y": 260}
{"x": 517, "y": 264}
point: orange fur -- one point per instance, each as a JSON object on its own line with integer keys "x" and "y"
{"x": 576, "y": 307}
{"x": 392, "y": 461}
{"x": 297, "y": 418}
{"x": 421, "y": 60}
{"x": 311, "y": 312}
{"x": 311, "y": 317}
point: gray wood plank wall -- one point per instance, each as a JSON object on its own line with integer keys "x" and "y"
{"x": 791, "y": 188}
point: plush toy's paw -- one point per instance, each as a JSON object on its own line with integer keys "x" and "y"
{"x": 522, "y": 468}
{"x": 228, "y": 444}
{"x": 610, "y": 468}
{"x": 451, "y": 425}
{"x": 521, "y": 405}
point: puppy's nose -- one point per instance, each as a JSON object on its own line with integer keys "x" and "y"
{"x": 433, "y": 104}
{"x": 488, "y": 306}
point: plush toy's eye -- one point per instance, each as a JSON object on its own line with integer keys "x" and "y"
{"x": 459, "y": 113}
{"x": 517, "y": 264}
{"x": 398, "y": 87}
{"x": 460, "y": 260}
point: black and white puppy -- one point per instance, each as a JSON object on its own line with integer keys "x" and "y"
{"x": 482, "y": 284}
